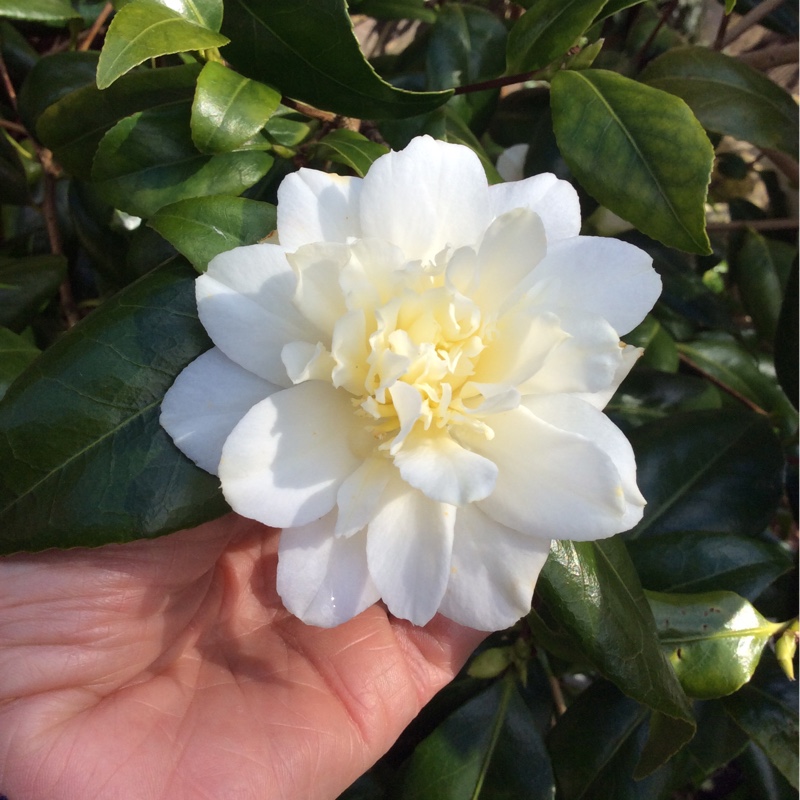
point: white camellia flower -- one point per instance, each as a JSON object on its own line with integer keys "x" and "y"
{"x": 410, "y": 384}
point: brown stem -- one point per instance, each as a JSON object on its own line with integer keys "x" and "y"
{"x": 665, "y": 15}
{"x": 722, "y": 385}
{"x": 9, "y": 87}
{"x": 752, "y": 17}
{"x": 723, "y": 27}
{"x": 496, "y": 83}
{"x": 308, "y": 111}
{"x": 14, "y": 127}
{"x": 755, "y": 224}
{"x": 769, "y": 57}
{"x": 95, "y": 29}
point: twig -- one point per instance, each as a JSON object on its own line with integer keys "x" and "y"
{"x": 496, "y": 83}
{"x": 784, "y": 224}
{"x": 9, "y": 87}
{"x": 752, "y": 17}
{"x": 14, "y": 127}
{"x": 722, "y": 385}
{"x": 769, "y": 57}
{"x": 665, "y": 15}
{"x": 723, "y": 27}
{"x": 308, "y": 111}
{"x": 95, "y": 29}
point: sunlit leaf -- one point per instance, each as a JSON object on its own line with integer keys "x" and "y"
{"x": 202, "y": 227}
{"x": 83, "y": 459}
{"x": 146, "y": 29}
{"x": 207, "y": 13}
{"x": 351, "y": 149}
{"x": 638, "y": 151}
{"x": 53, "y": 12}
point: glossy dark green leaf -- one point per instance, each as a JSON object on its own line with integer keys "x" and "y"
{"x": 703, "y": 561}
{"x": 714, "y": 470}
{"x": 771, "y": 723}
{"x": 638, "y": 151}
{"x": 760, "y": 267}
{"x": 787, "y": 336}
{"x": 202, "y": 227}
{"x": 159, "y": 164}
{"x": 488, "y": 748}
{"x": 288, "y": 128}
{"x": 728, "y": 96}
{"x": 52, "y": 78}
{"x": 228, "y": 109}
{"x": 546, "y": 31}
{"x": 16, "y": 353}
{"x": 26, "y": 285}
{"x": 596, "y": 745}
{"x": 351, "y": 149}
{"x": 659, "y": 347}
{"x": 53, "y": 12}
{"x": 314, "y": 58}
{"x": 395, "y": 9}
{"x": 146, "y": 29}
{"x": 713, "y": 640}
{"x": 615, "y": 6}
{"x": 647, "y": 395}
{"x": 207, "y": 13}
{"x": 83, "y": 459}
{"x": 73, "y": 126}
{"x": 592, "y": 590}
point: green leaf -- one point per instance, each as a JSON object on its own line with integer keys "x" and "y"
{"x": 771, "y": 724}
{"x": 659, "y": 347}
{"x": 351, "y": 149}
{"x": 728, "y": 96}
{"x": 228, "y": 109}
{"x": 760, "y": 267}
{"x": 207, "y": 13}
{"x": 159, "y": 164}
{"x": 13, "y": 179}
{"x": 546, "y": 31}
{"x": 146, "y": 29}
{"x": 713, "y": 640}
{"x": 73, "y": 126}
{"x": 593, "y": 592}
{"x": 83, "y": 459}
{"x": 638, "y": 151}
{"x": 717, "y": 470}
{"x": 488, "y": 748}
{"x": 315, "y": 58}
{"x": 615, "y": 6}
{"x": 786, "y": 340}
{"x": 15, "y": 355}
{"x": 703, "y": 561}
{"x": 202, "y": 227}
{"x": 52, "y": 12}
{"x": 26, "y": 285}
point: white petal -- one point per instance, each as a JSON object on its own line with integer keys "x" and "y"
{"x": 630, "y": 355}
{"x": 323, "y": 580}
{"x": 493, "y": 572}
{"x": 572, "y": 414}
{"x": 408, "y": 406}
{"x": 551, "y": 483}
{"x": 350, "y": 350}
{"x": 511, "y": 162}
{"x": 359, "y": 496}
{"x": 520, "y": 347}
{"x": 284, "y": 462}
{"x": 409, "y": 542}
{"x": 306, "y": 362}
{"x": 373, "y": 275}
{"x": 603, "y": 276}
{"x": 244, "y": 301}
{"x": 443, "y": 470}
{"x": 427, "y": 197}
{"x": 585, "y": 361}
{"x": 554, "y": 200}
{"x": 316, "y": 206}
{"x": 206, "y": 403}
{"x": 318, "y": 296}
{"x": 512, "y": 246}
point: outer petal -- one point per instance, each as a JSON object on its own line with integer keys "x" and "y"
{"x": 443, "y": 470}
{"x": 551, "y": 483}
{"x": 511, "y": 162}
{"x": 427, "y": 197}
{"x": 284, "y": 462}
{"x": 630, "y": 355}
{"x": 359, "y": 496}
{"x": 603, "y": 276}
{"x": 554, "y": 200}
{"x": 244, "y": 301}
{"x": 572, "y": 414}
{"x": 492, "y": 573}
{"x": 316, "y": 206}
{"x": 321, "y": 579}
{"x": 409, "y": 542}
{"x": 206, "y": 403}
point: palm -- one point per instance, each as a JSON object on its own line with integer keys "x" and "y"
{"x": 169, "y": 669}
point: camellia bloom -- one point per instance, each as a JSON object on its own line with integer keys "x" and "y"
{"x": 409, "y": 381}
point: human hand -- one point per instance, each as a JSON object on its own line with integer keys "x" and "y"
{"x": 169, "y": 670}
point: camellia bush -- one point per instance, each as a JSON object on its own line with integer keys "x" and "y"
{"x": 470, "y": 290}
